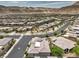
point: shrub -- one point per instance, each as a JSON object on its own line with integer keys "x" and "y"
{"x": 55, "y": 34}
{"x": 26, "y": 54}
{"x": 13, "y": 41}
{"x": 1, "y": 37}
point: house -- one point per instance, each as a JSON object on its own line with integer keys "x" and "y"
{"x": 75, "y": 29}
{"x": 38, "y": 47}
{"x": 63, "y": 43}
{"x": 70, "y": 34}
{"x": 5, "y": 44}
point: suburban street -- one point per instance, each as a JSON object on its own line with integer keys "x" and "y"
{"x": 44, "y": 35}
{"x": 19, "y": 49}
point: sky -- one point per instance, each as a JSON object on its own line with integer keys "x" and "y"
{"x": 49, "y": 4}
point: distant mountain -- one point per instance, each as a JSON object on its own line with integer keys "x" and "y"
{"x": 72, "y": 9}
{"x": 77, "y": 3}
{"x": 1, "y": 6}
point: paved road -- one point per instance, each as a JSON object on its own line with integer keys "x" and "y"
{"x": 19, "y": 49}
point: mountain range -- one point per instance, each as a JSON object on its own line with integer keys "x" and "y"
{"x": 72, "y": 9}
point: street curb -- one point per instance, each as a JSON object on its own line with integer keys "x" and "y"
{"x": 13, "y": 46}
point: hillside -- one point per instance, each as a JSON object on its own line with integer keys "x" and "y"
{"x": 73, "y": 9}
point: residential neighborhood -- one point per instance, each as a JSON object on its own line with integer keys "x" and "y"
{"x": 39, "y": 30}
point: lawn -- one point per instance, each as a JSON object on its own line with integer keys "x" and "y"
{"x": 76, "y": 50}
{"x": 56, "y": 51}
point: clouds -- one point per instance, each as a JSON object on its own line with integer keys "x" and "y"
{"x": 50, "y": 4}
